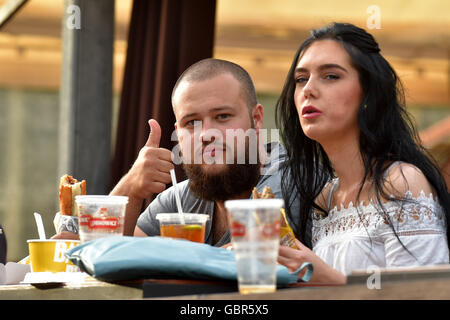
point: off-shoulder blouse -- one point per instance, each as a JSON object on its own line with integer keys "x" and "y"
{"x": 360, "y": 237}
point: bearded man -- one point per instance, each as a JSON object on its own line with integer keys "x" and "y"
{"x": 218, "y": 125}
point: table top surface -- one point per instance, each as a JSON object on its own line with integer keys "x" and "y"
{"x": 420, "y": 283}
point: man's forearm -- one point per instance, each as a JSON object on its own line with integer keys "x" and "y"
{"x": 133, "y": 209}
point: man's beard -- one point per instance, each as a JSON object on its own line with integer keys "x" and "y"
{"x": 232, "y": 181}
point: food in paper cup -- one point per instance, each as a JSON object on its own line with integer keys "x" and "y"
{"x": 49, "y": 255}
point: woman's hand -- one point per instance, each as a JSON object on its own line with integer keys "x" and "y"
{"x": 293, "y": 259}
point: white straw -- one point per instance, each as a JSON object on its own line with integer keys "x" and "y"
{"x": 177, "y": 194}
{"x": 40, "y": 225}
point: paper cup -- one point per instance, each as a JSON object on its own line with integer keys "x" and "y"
{"x": 48, "y": 255}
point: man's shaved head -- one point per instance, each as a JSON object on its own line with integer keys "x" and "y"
{"x": 210, "y": 68}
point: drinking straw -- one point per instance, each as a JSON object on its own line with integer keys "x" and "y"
{"x": 177, "y": 194}
{"x": 40, "y": 225}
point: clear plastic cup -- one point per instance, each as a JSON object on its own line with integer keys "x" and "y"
{"x": 192, "y": 228}
{"x": 255, "y": 236}
{"x": 100, "y": 216}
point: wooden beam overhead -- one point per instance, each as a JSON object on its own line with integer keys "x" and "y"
{"x": 9, "y": 9}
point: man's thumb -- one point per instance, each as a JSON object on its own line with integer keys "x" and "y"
{"x": 155, "y": 134}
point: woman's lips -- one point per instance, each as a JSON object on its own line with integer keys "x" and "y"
{"x": 310, "y": 112}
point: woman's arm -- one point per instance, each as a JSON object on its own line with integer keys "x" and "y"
{"x": 293, "y": 259}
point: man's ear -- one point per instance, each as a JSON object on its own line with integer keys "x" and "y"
{"x": 258, "y": 116}
{"x": 177, "y": 131}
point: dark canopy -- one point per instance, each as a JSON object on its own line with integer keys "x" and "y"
{"x": 165, "y": 37}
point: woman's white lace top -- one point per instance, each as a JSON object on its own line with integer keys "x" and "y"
{"x": 359, "y": 237}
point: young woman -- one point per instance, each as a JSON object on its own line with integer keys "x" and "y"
{"x": 374, "y": 196}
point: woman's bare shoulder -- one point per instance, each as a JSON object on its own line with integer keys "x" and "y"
{"x": 406, "y": 177}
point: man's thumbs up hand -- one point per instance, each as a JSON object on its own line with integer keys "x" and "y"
{"x": 151, "y": 171}
{"x": 154, "y": 137}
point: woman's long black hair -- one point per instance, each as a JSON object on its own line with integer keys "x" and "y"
{"x": 387, "y": 133}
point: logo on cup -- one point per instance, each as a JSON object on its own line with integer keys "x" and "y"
{"x": 237, "y": 229}
{"x": 110, "y": 223}
{"x": 60, "y": 250}
{"x": 270, "y": 230}
{"x": 84, "y": 220}
{"x": 102, "y": 223}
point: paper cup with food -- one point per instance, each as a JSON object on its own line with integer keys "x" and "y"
{"x": 49, "y": 255}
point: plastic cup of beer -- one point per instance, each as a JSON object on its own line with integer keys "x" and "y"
{"x": 255, "y": 236}
{"x": 189, "y": 226}
{"x": 100, "y": 216}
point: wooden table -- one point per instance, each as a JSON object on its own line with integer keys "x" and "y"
{"x": 423, "y": 283}
{"x": 433, "y": 289}
{"x": 89, "y": 290}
